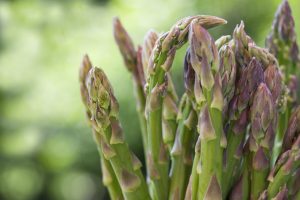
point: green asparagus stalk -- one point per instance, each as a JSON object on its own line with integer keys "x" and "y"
{"x": 204, "y": 60}
{"x": 281, "y": 195}
{"x": 245, "y": 49}
{"x": 159, "y": 65}
{"x": 284, "y": 169}
{"x": 261, "y": 138}
{"x": 272, "y": 73}
{"x": 196, "y": 98}
{"x": 108, "y": 176}
{"x": 182, "y": 151}
{"x": 104, "y": 111}
{"x": 250, "y": 78}
{"x": 290, "y": 136}
{"x": 133, "y": 62}
{"x": 282, "y": 42}
{"x": 274, "y": 81}
{"x": 241, "y": 190}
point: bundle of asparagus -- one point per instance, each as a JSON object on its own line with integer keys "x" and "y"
{"x": 233, "y": 134}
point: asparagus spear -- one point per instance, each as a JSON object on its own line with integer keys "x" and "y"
{"x": 181, "y": 180}
{"x": 290, "y": 136}
{"x": 281, "y": 195}
{"x": 159, "y": 65}
{"x": 194, "y": 94}
{"x": 261, "y": 138}
{"x": 284, "y": 169}
{"x": 133, "y": 62}
{"x": 241, "y": 190}
{"x": 182, "y": 150}
{"x": 250, "y": 78}
{"x": 274, "y": 81}
{"x": 249, "y": 74}
{"x": 282, "y": 42}
{"x": 108, "y": 176}
{"x": 169, "y": 123}
{"x": 204, "y": 60}
{"x": 104, "y": 111}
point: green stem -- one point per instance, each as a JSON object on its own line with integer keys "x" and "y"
{"x": 131, "y": 180}
{"x": 258, "y": 182}
{"x": 158, "y": 169}
{"x": 231, "y": 169}
{"x": 181, "y": 167}
{"x": 108, "y": 175}
{"x": 246, "y": 181}
{"x": 140, "y": 99}
{"x": 195, "y": 176}
{"x": 241, "y": 190}
{"x": 281, "y": 178}
{"x": 281, "y": 128}
{"x": 110, "y": 179}
{"x": 283, "y": 117}
{"x": 211, "y": 151}
{"x": 297, "y": 196}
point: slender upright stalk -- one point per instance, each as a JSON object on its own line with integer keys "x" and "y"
{"x": 196, "y": 99}
{"x": 248, "y": 75}
{"x": 284, "y": 169}
{"x": 261, "y": 138}
{"x": 133, "y": 62}
{"x": 274, "y": 81}
{"x": 104, "y": 111}
{"x": 241, "y": 190}
{"x": 182, "y": 150}
{"x": 108, "y": 176}
{"x": 250, "y": 78}
{"x": 211, "y": 131}
{"x": 282, "y": 42}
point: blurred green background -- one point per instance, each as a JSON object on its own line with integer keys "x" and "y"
{"x": 46, "y": 147}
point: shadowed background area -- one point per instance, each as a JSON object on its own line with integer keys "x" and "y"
{"x": 46, "y": 147}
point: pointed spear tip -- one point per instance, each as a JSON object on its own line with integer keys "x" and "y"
{"x": 85, "y": 67}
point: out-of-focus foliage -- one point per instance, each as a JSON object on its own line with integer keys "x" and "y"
{"x": 46, "y": 149}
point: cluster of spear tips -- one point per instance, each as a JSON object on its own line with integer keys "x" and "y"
{"x": 233, "y": 134}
